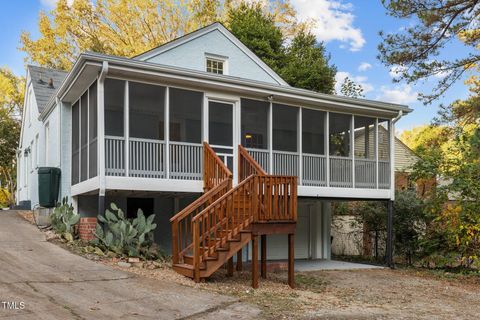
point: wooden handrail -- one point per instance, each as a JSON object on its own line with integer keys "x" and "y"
{"x": 214, "y": 170}
{"x": 217, "y": 181}
{"x": 247, "y": 165}
{"x": 260, "y": 199}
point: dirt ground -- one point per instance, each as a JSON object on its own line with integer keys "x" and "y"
{"x": 356, "y": 294}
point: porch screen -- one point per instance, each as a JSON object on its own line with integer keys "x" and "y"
{"x": 339, "y": 135}
{"x": 254, "y": 124}
{"x": 364, "y": 137}
{"x": 75, "y": 143}
{"x": 147, "y": 111}
{"x": 285, "y": 124}
{"x": 383, "y": 140}
{"x": 185, "y": 115}
{"x": 114, "y": 107}
{"x": 84, "y": 137}
{"x": 92, "y": 131}
{"x": 313, "y": 131}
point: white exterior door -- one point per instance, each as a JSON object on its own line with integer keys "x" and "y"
{"x": 221, "y": 130}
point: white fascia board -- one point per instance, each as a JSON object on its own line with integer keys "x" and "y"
{"x": 350, "y": 193}
{"x": 196, "y": 34}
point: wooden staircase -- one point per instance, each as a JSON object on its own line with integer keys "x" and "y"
{"x": 215, "y": 227}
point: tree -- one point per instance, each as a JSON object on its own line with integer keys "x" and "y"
{"x": 351, "y": 89}
{"x": 11, "y": 102}
{"x": 414, "y": 51}
{"x": 307, "y": 65}
{"x": 257, "y": 30}
{"x": 409, "y": 224}
{"x": 126, "y": 27}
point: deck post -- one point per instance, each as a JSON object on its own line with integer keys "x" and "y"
{"x": 230, "y": 267}
{"x": 255, "y": 261}
{"x": 239, "y": 260}
{"x": 264, "y": 256}
{"x": 291, "y": 260}
{"x": 390, "y": 234}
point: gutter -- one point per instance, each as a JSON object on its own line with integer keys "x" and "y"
{"x": 271, "y": 89}
{"x": 398, "y": 117}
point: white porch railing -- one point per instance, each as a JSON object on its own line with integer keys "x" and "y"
{"x": 262, "y": 157}
{"x": 186, "y": 160}
{"x": 341, "y": 172}
{"x": 314, "y": 170}
{"x": 147, "y": 158}
{"x": 383, "y": 174}
{"x": 114, "y": 156}
{"x": 285, "y": 163}
{"x": 365, "y": 173}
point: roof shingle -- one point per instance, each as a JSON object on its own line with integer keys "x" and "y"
{"x": 41, "y": 83}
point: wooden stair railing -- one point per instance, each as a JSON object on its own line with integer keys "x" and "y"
{"x": 213, "y": 228}
{"x": 247, "y": 165}
{"x": 214, "y": 170}
{"x": 217, "y": 180}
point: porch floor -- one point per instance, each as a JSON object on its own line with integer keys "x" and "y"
{"x": 322, "y": 264}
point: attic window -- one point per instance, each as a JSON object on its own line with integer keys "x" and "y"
{"x": 216, "y": 65}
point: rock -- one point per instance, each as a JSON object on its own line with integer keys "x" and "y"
{"x": 124, "y": 264}
{"x": 50, "y": 235}
{"x": 98, "y": 251}
{"x": 137, "y": 264}
{"x": 133, "y": 260}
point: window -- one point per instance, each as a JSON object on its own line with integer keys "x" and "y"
{"x": 339, "y": 135}
{"x": 216, "y": 65}
{"x": 114, "y": 107}
{"x": 32, "y": 156}
{"x": 254, "y": 124}
{"x": 147, "y": 111}
{"x": 47, "y": 143}
{"x": 25, "y": 166}
{"x": 313, "y": 135}
{"x": 37, "y": 152}
{"x": 185, "y": 115}
{"x": 285, "y": 128}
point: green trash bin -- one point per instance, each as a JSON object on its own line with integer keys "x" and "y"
{"x": 48, "y": 186}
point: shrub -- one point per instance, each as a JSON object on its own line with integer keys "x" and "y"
{"x": 63, "y": 220}
{"x": 409, "y": 224}
{"x": 133, "y": 237}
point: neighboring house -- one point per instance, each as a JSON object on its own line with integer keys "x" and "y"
{"x": 349, "y": 238}
{"x": 130, "y": 131}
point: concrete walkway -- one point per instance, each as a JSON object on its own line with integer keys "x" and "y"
{"x": 52, "y": 283}
{"x": 318, "y": 265}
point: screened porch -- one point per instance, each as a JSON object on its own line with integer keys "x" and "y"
{"x": 156, "y": 132}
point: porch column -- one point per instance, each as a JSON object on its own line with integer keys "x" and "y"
{"x": 264, "y": 256}
{"x": 291, "y": 260}
{"x": 101, "y": 137}
{"x": 389, "y": 248}
{"x": 255, "y": 261}
{"x": 270, "y": 138}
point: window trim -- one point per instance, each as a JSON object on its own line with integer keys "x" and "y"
{"x": 217, "y": 58}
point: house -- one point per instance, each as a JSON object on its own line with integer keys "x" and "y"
{"x": 132, "y": 131}
{"x": 350, "y": 238}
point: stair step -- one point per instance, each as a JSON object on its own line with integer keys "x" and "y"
{"x": 188, "y": 259}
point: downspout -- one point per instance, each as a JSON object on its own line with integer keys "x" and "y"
{"x": 390, "y": 212}
{"x": 101, "y": 137}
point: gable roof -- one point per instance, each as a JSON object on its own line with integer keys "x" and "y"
{"x": 40, "y": 78}
{"x": 205, "y": 30}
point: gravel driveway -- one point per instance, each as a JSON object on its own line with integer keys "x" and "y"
{"x": 39, "y": 280}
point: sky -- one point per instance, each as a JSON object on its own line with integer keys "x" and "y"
{"x": 349, "y": 29}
